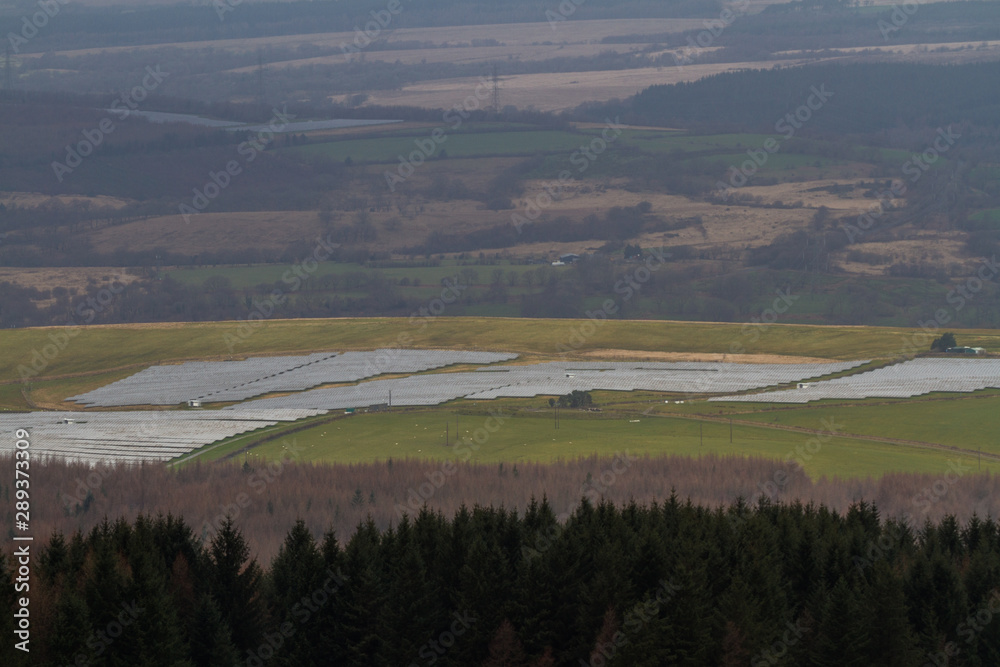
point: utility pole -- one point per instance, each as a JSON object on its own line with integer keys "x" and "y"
{"x": 701, "y": 433}
{"x": 496, "y": 90}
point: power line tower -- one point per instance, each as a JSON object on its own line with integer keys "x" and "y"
{"x": 496, "y": 90}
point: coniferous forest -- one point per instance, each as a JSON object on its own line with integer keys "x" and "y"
{"x": 670, "y": 583}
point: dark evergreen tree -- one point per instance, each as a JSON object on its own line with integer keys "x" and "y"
{"x": 211, "y": 640}
{"x": 235, "y": 585}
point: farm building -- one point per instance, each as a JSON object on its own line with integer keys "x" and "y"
{"x": 965, "y": 350}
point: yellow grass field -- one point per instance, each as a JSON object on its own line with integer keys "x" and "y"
{"x": 556, "y": 91}
{"x": 72, "y": 278}
{"x": 32, "y": 199}
{"x": 97, "y": 349}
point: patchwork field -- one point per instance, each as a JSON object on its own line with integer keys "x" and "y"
{"x": 559, "y": 91}
{"x": 477, "y": 153}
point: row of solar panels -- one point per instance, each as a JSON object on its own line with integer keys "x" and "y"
{"x": 162, "y": 435}
{"x": 903, "y": 380}
{"x": 551, "y": 379}
{"x": 227, "y": 381}
{"x": 134, "y": 437}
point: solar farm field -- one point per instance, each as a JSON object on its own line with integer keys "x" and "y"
{"x": 531, "y": 436}
{"x": 651, "y": 398}
{"x": 100, "y": 349}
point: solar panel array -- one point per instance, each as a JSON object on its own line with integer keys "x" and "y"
{"x": 226, "y": 381}
{"x": 910, "y": 378}
{"x": 134, "y": 437}
{"x": 555, "y": 378}
{"x": 163, "y": 435}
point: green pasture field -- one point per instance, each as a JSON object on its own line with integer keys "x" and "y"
{"x": 652, "y": 141}
{"x": 991, "y": 214}
{"x": 465, "y": 144}
{"x": 986, "y": 219}
{"x": 957, "y": 420}
{"x": 487, "y": 140}
{"x": 532, "y": 437}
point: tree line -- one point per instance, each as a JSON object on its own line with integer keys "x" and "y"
{"x": 864, "y": 98}
{"x": 666, "y": 583}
